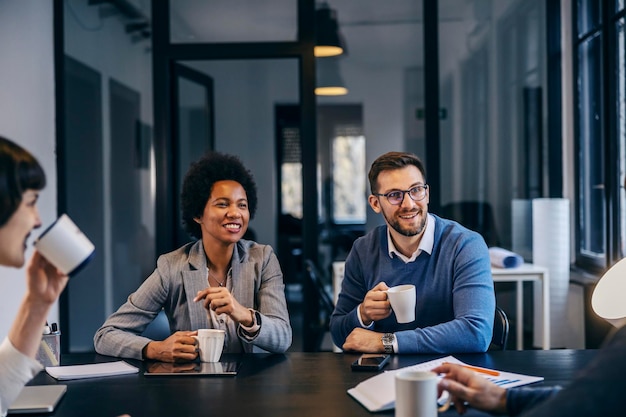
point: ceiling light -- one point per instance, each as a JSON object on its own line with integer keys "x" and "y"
{"x": 328, "y": 40}
{"x": 329, "y": 79}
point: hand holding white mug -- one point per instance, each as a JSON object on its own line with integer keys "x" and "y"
{"x": 375, "y": 305}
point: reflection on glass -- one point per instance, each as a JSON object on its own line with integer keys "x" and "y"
{"x": 291, "y": 189}
{"x": 110, "y": 173}
{"x": 592, "y": 205}
{"x": 589, "y": 15}
{"x": 491, "y": 98}
{"x": 620, "y": 102}
{"x": 349, "y": 180}
{"x": 194, "y": 119}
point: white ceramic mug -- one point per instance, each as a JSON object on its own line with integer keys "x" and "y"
{"x": 65, "y": 246}
{"x": 416, "y": 394}
{"x": 210, "y": 344}
{"x": 402, "y": 299}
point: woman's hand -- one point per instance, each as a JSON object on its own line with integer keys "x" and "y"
{"x": 220, "y": 300}
{"x": 179, "y": 347}
{"x": 467, "y": 387}
{"x": 44, "y": 281}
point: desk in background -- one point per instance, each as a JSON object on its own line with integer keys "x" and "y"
{"x": 294, "y": 384}
{"x": 531, "y": 273}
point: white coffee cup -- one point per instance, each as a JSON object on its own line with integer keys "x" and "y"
{"x": 402, "y": 299}
{"x": 416, "y": 394}
{"x": 210, "y": 344}
{"x": 65, "y": 246}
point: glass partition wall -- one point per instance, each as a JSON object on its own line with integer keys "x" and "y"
{"x": 106, "y": 160}
{"x": 240, "y": 77}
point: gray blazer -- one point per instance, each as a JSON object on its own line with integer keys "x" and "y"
{"x": 257, "y": 283}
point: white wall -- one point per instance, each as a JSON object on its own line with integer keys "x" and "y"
{"x": 27, "y": 115}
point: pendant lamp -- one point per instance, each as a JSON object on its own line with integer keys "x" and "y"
{"x": 328, "y": 40}
{"x": 329, "y": 81}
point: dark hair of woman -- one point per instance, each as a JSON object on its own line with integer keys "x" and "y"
{"x": 199, "y": 181}
{"x": 19, "y": 171}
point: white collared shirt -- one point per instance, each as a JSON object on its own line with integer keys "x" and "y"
{"x": 426, "y": 244}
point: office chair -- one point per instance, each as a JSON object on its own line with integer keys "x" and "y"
{"x": 159, "y": 328}
{"x": 500, "y": 330}
{"x": 324, "y": 299}
{"x": 475, "y": 215}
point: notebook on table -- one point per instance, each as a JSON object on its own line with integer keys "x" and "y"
{"x": 37, "y": 399}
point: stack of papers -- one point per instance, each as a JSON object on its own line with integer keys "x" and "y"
{"x": 91, "y": 370}
{"x": 378, "y": 393}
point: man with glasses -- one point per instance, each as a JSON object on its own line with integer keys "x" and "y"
{"x": 448, "y": 264}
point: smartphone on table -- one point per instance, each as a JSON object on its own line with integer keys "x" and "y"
{"x": 370, "y": 362}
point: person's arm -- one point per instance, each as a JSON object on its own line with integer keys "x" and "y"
{"x": 274, "y": 333}
{"x": 519, "y": 400}
{"x": 597, "y": 390}
{"x": 120, "y": 335}
{"x": 44, "y": 284}
{"x": 473, "y": 302}
{"x": 16, "y": 369}
{"x": 18, "y": 351}
{"x": 466, "y": 387}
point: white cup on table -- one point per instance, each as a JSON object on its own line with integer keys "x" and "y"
{"x": 402, "y": 299}
{"x": 210, "y": 344}
{"x": 416, "y": 394}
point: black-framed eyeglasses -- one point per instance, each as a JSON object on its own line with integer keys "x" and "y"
{"x": 416, "y": 193}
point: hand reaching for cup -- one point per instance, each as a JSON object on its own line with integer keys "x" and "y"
{"x": 179, "y": 347}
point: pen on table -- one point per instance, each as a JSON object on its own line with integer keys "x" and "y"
{"x": 481, "y": 370}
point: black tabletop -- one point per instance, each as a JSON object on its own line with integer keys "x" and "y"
{"x": 294, "y": 384}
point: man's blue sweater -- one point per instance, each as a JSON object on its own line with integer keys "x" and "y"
{"x": 455, "y": 303}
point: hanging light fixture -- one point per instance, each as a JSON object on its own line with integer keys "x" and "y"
{"x": 328, "y": 40}
{"x": 329, "y": 79}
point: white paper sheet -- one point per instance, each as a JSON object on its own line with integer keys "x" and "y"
{"x": 378, "y": 393}
{"x": 93, "y": 370}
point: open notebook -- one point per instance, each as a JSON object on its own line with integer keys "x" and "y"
{"x": 37, "y": 399}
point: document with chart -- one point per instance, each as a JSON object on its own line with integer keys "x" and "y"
{"x": 378, "y": 392}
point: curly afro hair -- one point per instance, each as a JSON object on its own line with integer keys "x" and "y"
{"x": 199, "y": 181}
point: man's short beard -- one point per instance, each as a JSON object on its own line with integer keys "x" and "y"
{"x": 395, "y": 225}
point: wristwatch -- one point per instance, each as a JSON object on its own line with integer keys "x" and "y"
{"x": 388, "y": 339}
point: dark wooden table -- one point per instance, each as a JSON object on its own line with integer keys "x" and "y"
{"x": 295, "y": 384}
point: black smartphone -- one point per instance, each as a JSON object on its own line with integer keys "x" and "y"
{"x": 370, "y": 362}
